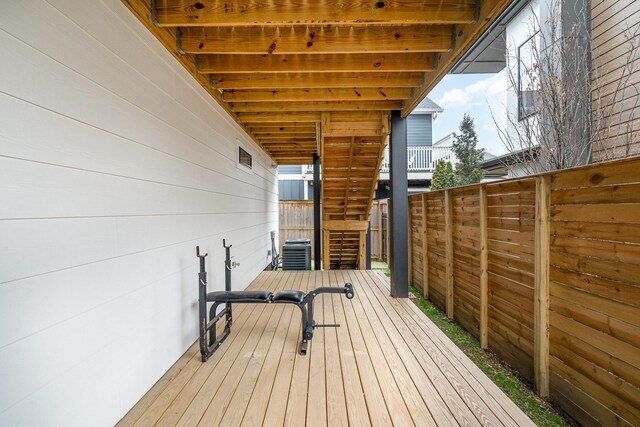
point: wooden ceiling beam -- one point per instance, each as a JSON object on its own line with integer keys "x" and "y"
{"x": 277, "y": 152}
{"x": 236, "y": 13}
{"x": 325, "y": 63}
{"x": 280, "y": 130}
{"x": 294, "y": 154}
{"x": 283, "y": 119}
{"x": 465, "y": 36}
{"x": 317, "y": 39}
{"x": 291, "y": 147}
{"x": 296, "y": 161}
{"x": 280, "y": 151}
{"x": 284, "y": 127}
{"x": 277, "y": 136}
{"x": 330, "y": 94}
{"x": 291, "y": 142}
{"x": 253, "y": 107}
{"x": 298, "y": 151}
{"x": 354, "y": 116}
{"x": 314, "y": 81}
{"x": 279, "y": 117}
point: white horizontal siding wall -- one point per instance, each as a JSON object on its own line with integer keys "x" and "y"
{"x": 114, "y": 165}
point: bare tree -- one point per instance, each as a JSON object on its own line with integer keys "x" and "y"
{"x": 563, "y": 107}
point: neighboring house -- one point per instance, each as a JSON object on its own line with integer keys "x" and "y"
{"x": 295, "y": 182}
{"x": 614, "y": 96}
{"x": 614, "y": 24}
{"x": 422, "y": 152}
{"x": 510, "y": 165}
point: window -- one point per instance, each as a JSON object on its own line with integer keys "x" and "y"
{"x": 244, "y": 158}
{"x": 528, "y": 77}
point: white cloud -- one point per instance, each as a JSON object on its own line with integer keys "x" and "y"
{"x": 476, "y": 94}
{"x": 454, "y": 98}
{"x": 493, "y": 85}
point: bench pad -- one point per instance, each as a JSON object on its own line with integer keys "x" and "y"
{"x": 289, "y": 296}
{"x": 240, "y": 296}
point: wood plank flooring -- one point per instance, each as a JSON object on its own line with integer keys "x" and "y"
{"x": 386, "y": 365}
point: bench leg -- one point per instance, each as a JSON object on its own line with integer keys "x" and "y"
{"x": 306, "y": 307}
{"x": 208, "y": 347}
{"x": 307, "y": 325}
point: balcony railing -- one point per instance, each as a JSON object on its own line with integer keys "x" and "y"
{"x": 421, "y": 159}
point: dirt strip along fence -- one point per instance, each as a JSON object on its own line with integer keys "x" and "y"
{"x": 545, "y": 272}
{"x": 296, "y": 222}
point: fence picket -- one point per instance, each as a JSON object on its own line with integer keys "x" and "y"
{"x": 557, "y": 252}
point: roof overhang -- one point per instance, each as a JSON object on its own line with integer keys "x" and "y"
{"x": 488, "y": 53}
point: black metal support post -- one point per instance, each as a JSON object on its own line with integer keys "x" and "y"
{"x": 317, "y": 237}
{"x": 369, "y": 246}
{"x": 398, "y": 208}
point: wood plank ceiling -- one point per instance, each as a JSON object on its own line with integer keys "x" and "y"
{"x": 307, "y": 77}
{"x": 275, "y": 65}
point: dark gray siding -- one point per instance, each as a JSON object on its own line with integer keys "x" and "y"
{"x": 419, "y": 132}
{"x": 291, "y": 189}
{"x": 290, "y": 169}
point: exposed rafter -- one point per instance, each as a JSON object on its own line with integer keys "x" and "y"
{"x": 307, "y": 95}
{"x": 317, "y": 39}
{"x": 317, "y": 106}
{"x": 279, "y": 117}
{"x": 314, "y": 63}
{"x": 282, "y": 130}
{"x": 277, "y": 136}
{"x": 314, "y": 81}
{"x": 180, "y": 13}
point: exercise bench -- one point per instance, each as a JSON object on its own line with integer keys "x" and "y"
{"x": 210, "y": 341}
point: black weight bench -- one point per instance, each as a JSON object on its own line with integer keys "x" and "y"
{"x": 207, "y": 325}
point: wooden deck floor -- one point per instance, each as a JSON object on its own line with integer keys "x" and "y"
{"x": 386, "y": 365}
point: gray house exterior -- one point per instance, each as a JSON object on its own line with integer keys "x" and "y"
{"x": 420, "y": 124}
{"x": 291, "y": 185}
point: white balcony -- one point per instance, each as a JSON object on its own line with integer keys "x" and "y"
{"x": 421, "y": 160}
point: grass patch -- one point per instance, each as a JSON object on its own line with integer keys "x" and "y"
{"x": 500, "y": 373}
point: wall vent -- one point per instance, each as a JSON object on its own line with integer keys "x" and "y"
{"x": 244, "y": 158}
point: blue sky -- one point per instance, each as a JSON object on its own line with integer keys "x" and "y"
{"x": 477, "y": 95}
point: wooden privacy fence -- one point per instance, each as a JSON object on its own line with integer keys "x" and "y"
{"x": 379, "y": 229}
{"x": 296, "y": 222}
{"x": 545, "y": 272}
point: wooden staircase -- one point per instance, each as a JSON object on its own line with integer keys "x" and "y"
{"x": 352, "y": 150}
